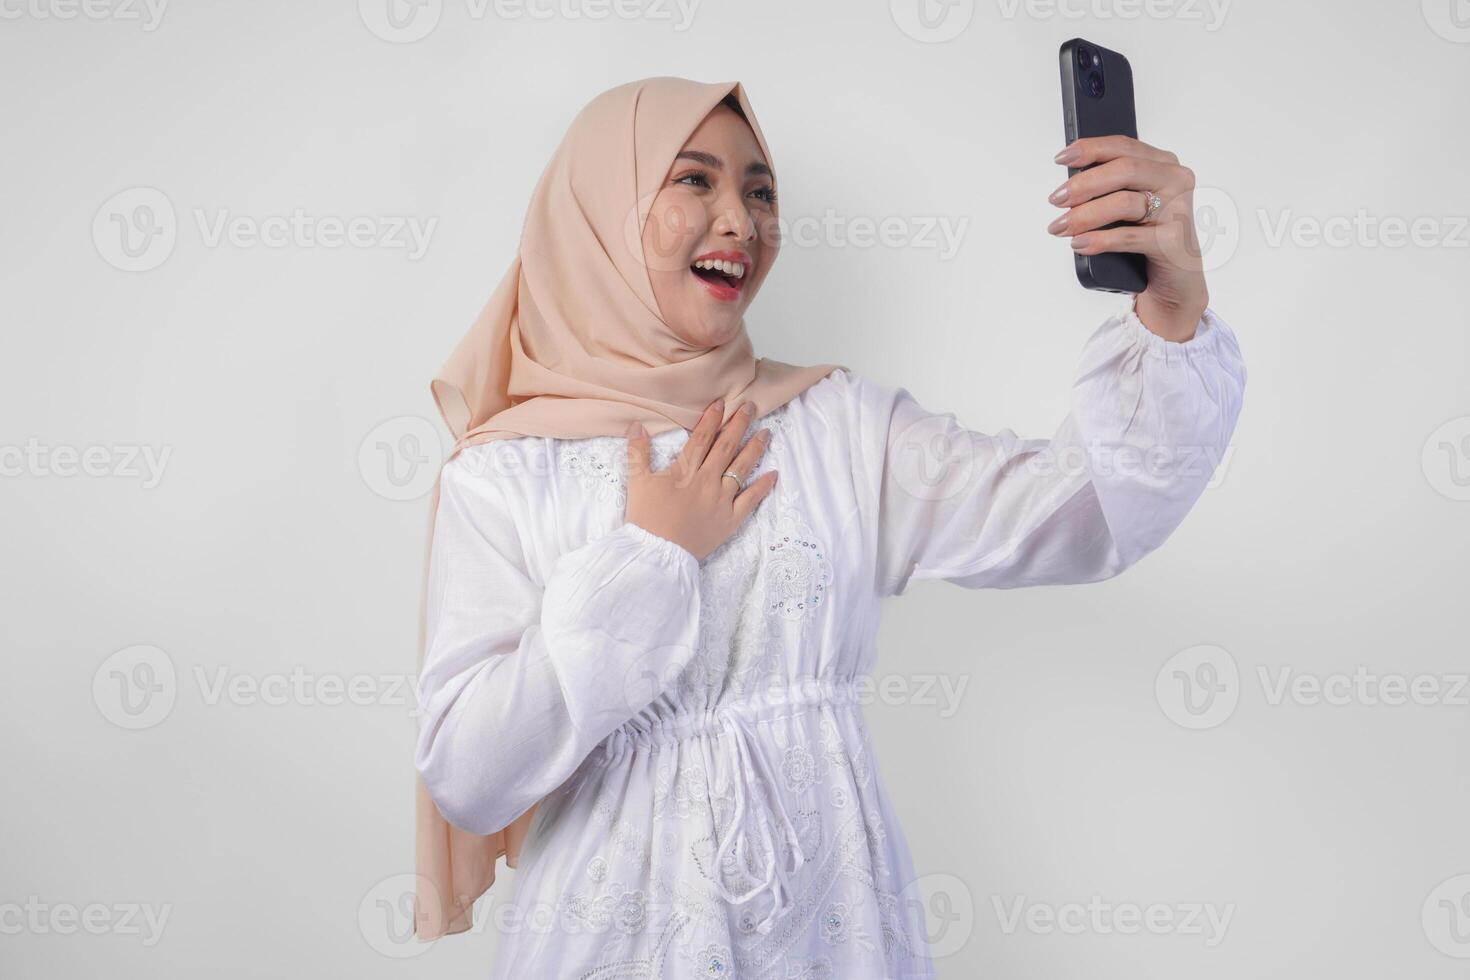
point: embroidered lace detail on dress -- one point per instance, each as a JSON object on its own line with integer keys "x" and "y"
{"x": 844, "y": 895}
{"x": 658, "y": 886}
{"x": 835, "y": 895}
{"x": 775, "y": 556}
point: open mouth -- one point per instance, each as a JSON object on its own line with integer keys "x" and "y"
{"x": 723, "y": 276}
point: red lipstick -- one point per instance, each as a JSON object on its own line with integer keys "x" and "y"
{"x": 722, "y": 285}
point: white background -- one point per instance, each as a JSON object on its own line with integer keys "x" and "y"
{"x": 272, "y": 828}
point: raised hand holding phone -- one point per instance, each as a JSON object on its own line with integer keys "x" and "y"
{"x": 1129, "y": 205}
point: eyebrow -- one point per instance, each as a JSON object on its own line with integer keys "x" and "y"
{"x": 710, "y": 160}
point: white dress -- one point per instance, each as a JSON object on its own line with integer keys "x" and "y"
{"x": 713, "y": 807}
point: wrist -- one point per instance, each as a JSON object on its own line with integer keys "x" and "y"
{"x": 1175, "y": 322}
{"x": 661, "y": 540}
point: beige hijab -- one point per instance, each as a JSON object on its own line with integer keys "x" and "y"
{"x": 572, "y": 344}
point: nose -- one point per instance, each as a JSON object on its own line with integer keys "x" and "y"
{"x": 733, "y": 218}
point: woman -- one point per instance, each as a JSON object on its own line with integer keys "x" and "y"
{"x": 643, "y": 646}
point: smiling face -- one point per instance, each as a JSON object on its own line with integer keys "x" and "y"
{"x": 711, "y": 234}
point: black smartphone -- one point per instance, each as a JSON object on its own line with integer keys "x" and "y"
{"x": 1097, "y": 100}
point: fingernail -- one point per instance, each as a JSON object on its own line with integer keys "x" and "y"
{"x": 1081, "y": 241}
{"x": 747, "y": 408}
{"x": 1059, "y": 195}
{"x": 634, "y": 428}
{"x": 1068, "y": 155}
{"x": 1058, "y": 226}
{"x": 720, "y": 405}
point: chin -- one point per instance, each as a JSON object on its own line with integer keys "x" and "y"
{"x": 709, "y": 323}
{"x": 710, "y": 334}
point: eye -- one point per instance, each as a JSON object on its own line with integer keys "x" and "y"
{"x": 699, "y": 178}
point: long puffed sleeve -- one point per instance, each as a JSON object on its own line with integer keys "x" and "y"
{"x": 520, "y": 682}
{"x": 1149, "y": 421}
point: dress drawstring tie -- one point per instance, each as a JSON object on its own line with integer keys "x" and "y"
{"x": 749, "y": 766}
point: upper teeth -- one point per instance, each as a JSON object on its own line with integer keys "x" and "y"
{"x": 735, "y": 269}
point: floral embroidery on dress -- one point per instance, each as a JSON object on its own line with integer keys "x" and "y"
{"x": 809, "y": 830}
{"x": 840, "y": 924}
{"x": 589, "y": 461}
{"x": 877, "y": 827}
{"x": 630, "y": 841}
{"x": 601, "y": 463}
{"x": 862, "y": 766}
{"x": 597, "y": 868}
{"x": 799, "y": 768}
{"x": 681, "y": 786}
{"x": 895, "y": 929}
{"x": 625, "y": 910}
{"x": 714, "y": 961}
{"x": 835, "y": 925}
{"x": 620, "y": 965}
{"x": 630, "y": 912}
{"x": 728, "y": 576}
{"x": 817, "y": 968}
{"x": 797, "y": 569}
{"x": 691, "y": 921}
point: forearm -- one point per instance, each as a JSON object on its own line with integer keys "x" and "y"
{"x": 513, "y": 704}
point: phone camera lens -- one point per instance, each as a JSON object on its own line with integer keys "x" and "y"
{"x": 1084, "y": 57}
{"x": 1094, "y": 85}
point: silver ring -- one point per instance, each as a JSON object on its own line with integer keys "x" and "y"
{"x": 734, "y": 476}
{"x": 1153, "y": 206}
